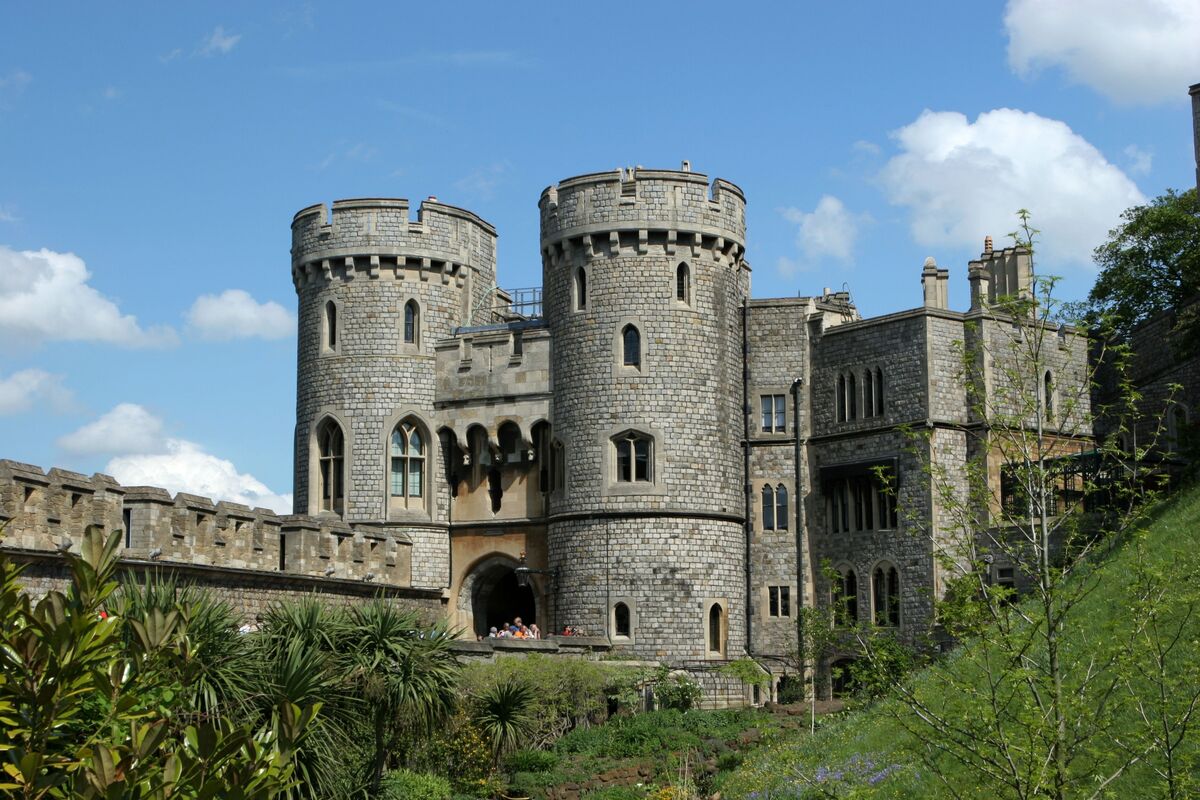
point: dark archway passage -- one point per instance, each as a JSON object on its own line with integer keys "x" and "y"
{"x": 498, "y": 599}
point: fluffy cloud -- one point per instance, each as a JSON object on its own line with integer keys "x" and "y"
{"x": 127, "y": 428}
{"x": 1133, "y": 51}
{"x": 234, "y": 314}
{"x": 185, "y": 467}
{"x": 23, "y": 390}
{"x": 218, "y": 42}
{"x": 1140, "y": 160}
{"x": 962, "y": 180}
{"x": 828, "y": 231}
{"x": 143, "y": 455}
{"x": 45, "y": 295}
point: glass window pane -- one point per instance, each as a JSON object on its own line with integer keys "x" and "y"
{"x": 766, "y": 413}
{"x": 397, "y": 477}
{"x": 642, "y": 455}
{"x": 414, "y": 441}
{"x": 415, "y": 473}
{"x": 780, "y": 414}
{"x": 781, "y": 507}
{"x": 768, "y": 509}
{"x": 624, "y": 467}
{"x": 397, "y": 443}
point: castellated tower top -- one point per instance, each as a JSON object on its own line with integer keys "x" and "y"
{"x": 442, "y": 236}
{"x": 637, "y": 201}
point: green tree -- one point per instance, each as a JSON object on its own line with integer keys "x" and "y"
{"x": 1151, "y": 263}
{"x": 86, "y": 715}
{"x": 405, "y": 677}
{"x": 1015, "y": 705}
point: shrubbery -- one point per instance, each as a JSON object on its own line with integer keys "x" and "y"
{"x": 402, "y": 784}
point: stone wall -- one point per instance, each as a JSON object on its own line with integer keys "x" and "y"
{"x": 46, "y": 512}
{"x": 676, "y": 540}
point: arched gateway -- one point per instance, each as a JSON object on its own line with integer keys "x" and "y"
{"x": 491, "y": 595}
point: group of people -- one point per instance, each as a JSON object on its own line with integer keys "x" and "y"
{"x": 515, "y": 630}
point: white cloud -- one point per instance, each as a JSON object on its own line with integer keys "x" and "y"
{"x": 1133, "y": 51}
{"x": 144, "y": 456}
{"x": 218, "y": 42}
{"x": 167, "y": 58}
{"x": 28, "y": 388}
{"x": 962, "y": 180}
{"x": 828, "y": 231}
{"x": 482, "y": 182}
{"x": 185, "y": 467}
{"x": 15, "y": 81}
{"x": 1140, "y": 160}
{"x": 869, "y": 148}
{"x": 45, "y": 296}
{"x": 8, "y": 215}
{"x": 234, "y": 314}
{"x": 127, "y": 428}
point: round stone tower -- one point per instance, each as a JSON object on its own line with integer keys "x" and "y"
{"x": 643, "y": 286}
{"x": 376, "y": 290}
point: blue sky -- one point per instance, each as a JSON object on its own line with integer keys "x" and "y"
{"x": 152, "y": 156}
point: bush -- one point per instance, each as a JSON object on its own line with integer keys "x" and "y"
{"x": 675, "y": 691}
{"x": 566, "y": 694}
{"x": 531, "y": 761}
{"x": 401, "y": 784}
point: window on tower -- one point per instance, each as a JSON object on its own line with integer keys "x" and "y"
{"x": 634, "y": 457}
{"x": 330, "y": 467}
{"x": 406, "y": 479}
{"x": 631, "y": 347}
{"x": 412, "y": 322}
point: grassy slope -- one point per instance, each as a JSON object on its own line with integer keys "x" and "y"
{"x": 869, "y": 754}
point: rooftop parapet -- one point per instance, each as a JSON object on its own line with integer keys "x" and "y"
{"x": 50, "y": 511}
{"x": 641, "y": 202}
{"x": 370, "y": 233}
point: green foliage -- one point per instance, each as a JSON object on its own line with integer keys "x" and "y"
{"x": 890, "y": 663}
{"x": 531, "y": 761}
{"x": 503, "y": 715}
{"x": 747, "y": 671}
{"x": 456, "y": 750}
{"x": 1141, "y": 618}
{"x": 138, "y": 736}
{"x": 1151, "y": 263}
{"x": 655, "y": 732}
{"x": 566, "y": 693}
{"x": 402, "y": 784}
{"x": 675, "y": 690}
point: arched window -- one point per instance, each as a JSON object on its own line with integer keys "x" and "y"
{"x": 412, "y": 322}
{"x": 844, "y": 597}
{"x": 781, "y": 507}
{"x": 407, "y": 478}
{"x": 878, "y": 392}
{"x": 1048, "y": 395}
{"x": 768, "y": 508}
{"x": 331, "y": 463}
{"x": 631, "y": 346}
{"x": 634, "y": 457}
{"x": 622, "y": 623}
{"x": 716, "y": 614}
{"x": 852, "y": 397}
{"x": 885, "y": 595}
{"x": 840, "y": 400}
{"x": 683, "y": 287}
{"x": 331, "y": 325}
{"x": 581, "y": 289}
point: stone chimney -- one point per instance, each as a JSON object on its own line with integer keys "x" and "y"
{"x": 935, "y": 283}
{"x": 1194, "y": 91}
{"x": 979, "y": 280}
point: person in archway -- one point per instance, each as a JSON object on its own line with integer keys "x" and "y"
{"x": 534, "y": 633}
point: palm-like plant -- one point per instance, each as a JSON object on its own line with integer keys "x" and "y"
{"x": 405, "y": 676}
{"x": 502, "y": 713}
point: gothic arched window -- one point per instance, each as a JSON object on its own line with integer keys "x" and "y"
{"x": 407, "y": 469}
{"x": 331, "y": 458}
{"x": 885, "y": 595}
{"x": 716, "y": 625}
{"x": 844, "y": 597}
{"x": 331, "y": 325}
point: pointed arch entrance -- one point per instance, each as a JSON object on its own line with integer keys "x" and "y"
{"x": 491, "y": 595}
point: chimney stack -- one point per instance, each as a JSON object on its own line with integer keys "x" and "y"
{"x": 935, "y": 284}
{"x": 987, "y": 244}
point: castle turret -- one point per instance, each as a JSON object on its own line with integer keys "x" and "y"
{"x": 376, "y": 290}
{"x": 643, "y": 286}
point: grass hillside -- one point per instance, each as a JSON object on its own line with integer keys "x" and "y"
{"x": 873, "y": 752}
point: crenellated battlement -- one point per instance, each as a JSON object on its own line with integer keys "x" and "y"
{"x": 49, "y": 512}
{"x": 638, "y": 210}
{"x": 375, "y": 237}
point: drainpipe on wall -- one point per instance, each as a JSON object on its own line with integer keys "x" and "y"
{"x": 798, "y": 499}
{"x": 746, "y": 413}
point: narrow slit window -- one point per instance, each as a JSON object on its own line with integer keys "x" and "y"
{"x": 631, "y": 346}
{"x": 683, "y": 288}
{"x": 412, "y": 322}
{"x": 581, "y": 289}
{"x": 331, "y": 325}
{"x": 768, "y": 508}
{"x": 781, "y": 507}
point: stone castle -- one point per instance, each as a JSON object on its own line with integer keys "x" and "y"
{"x": 639, "y": 449}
